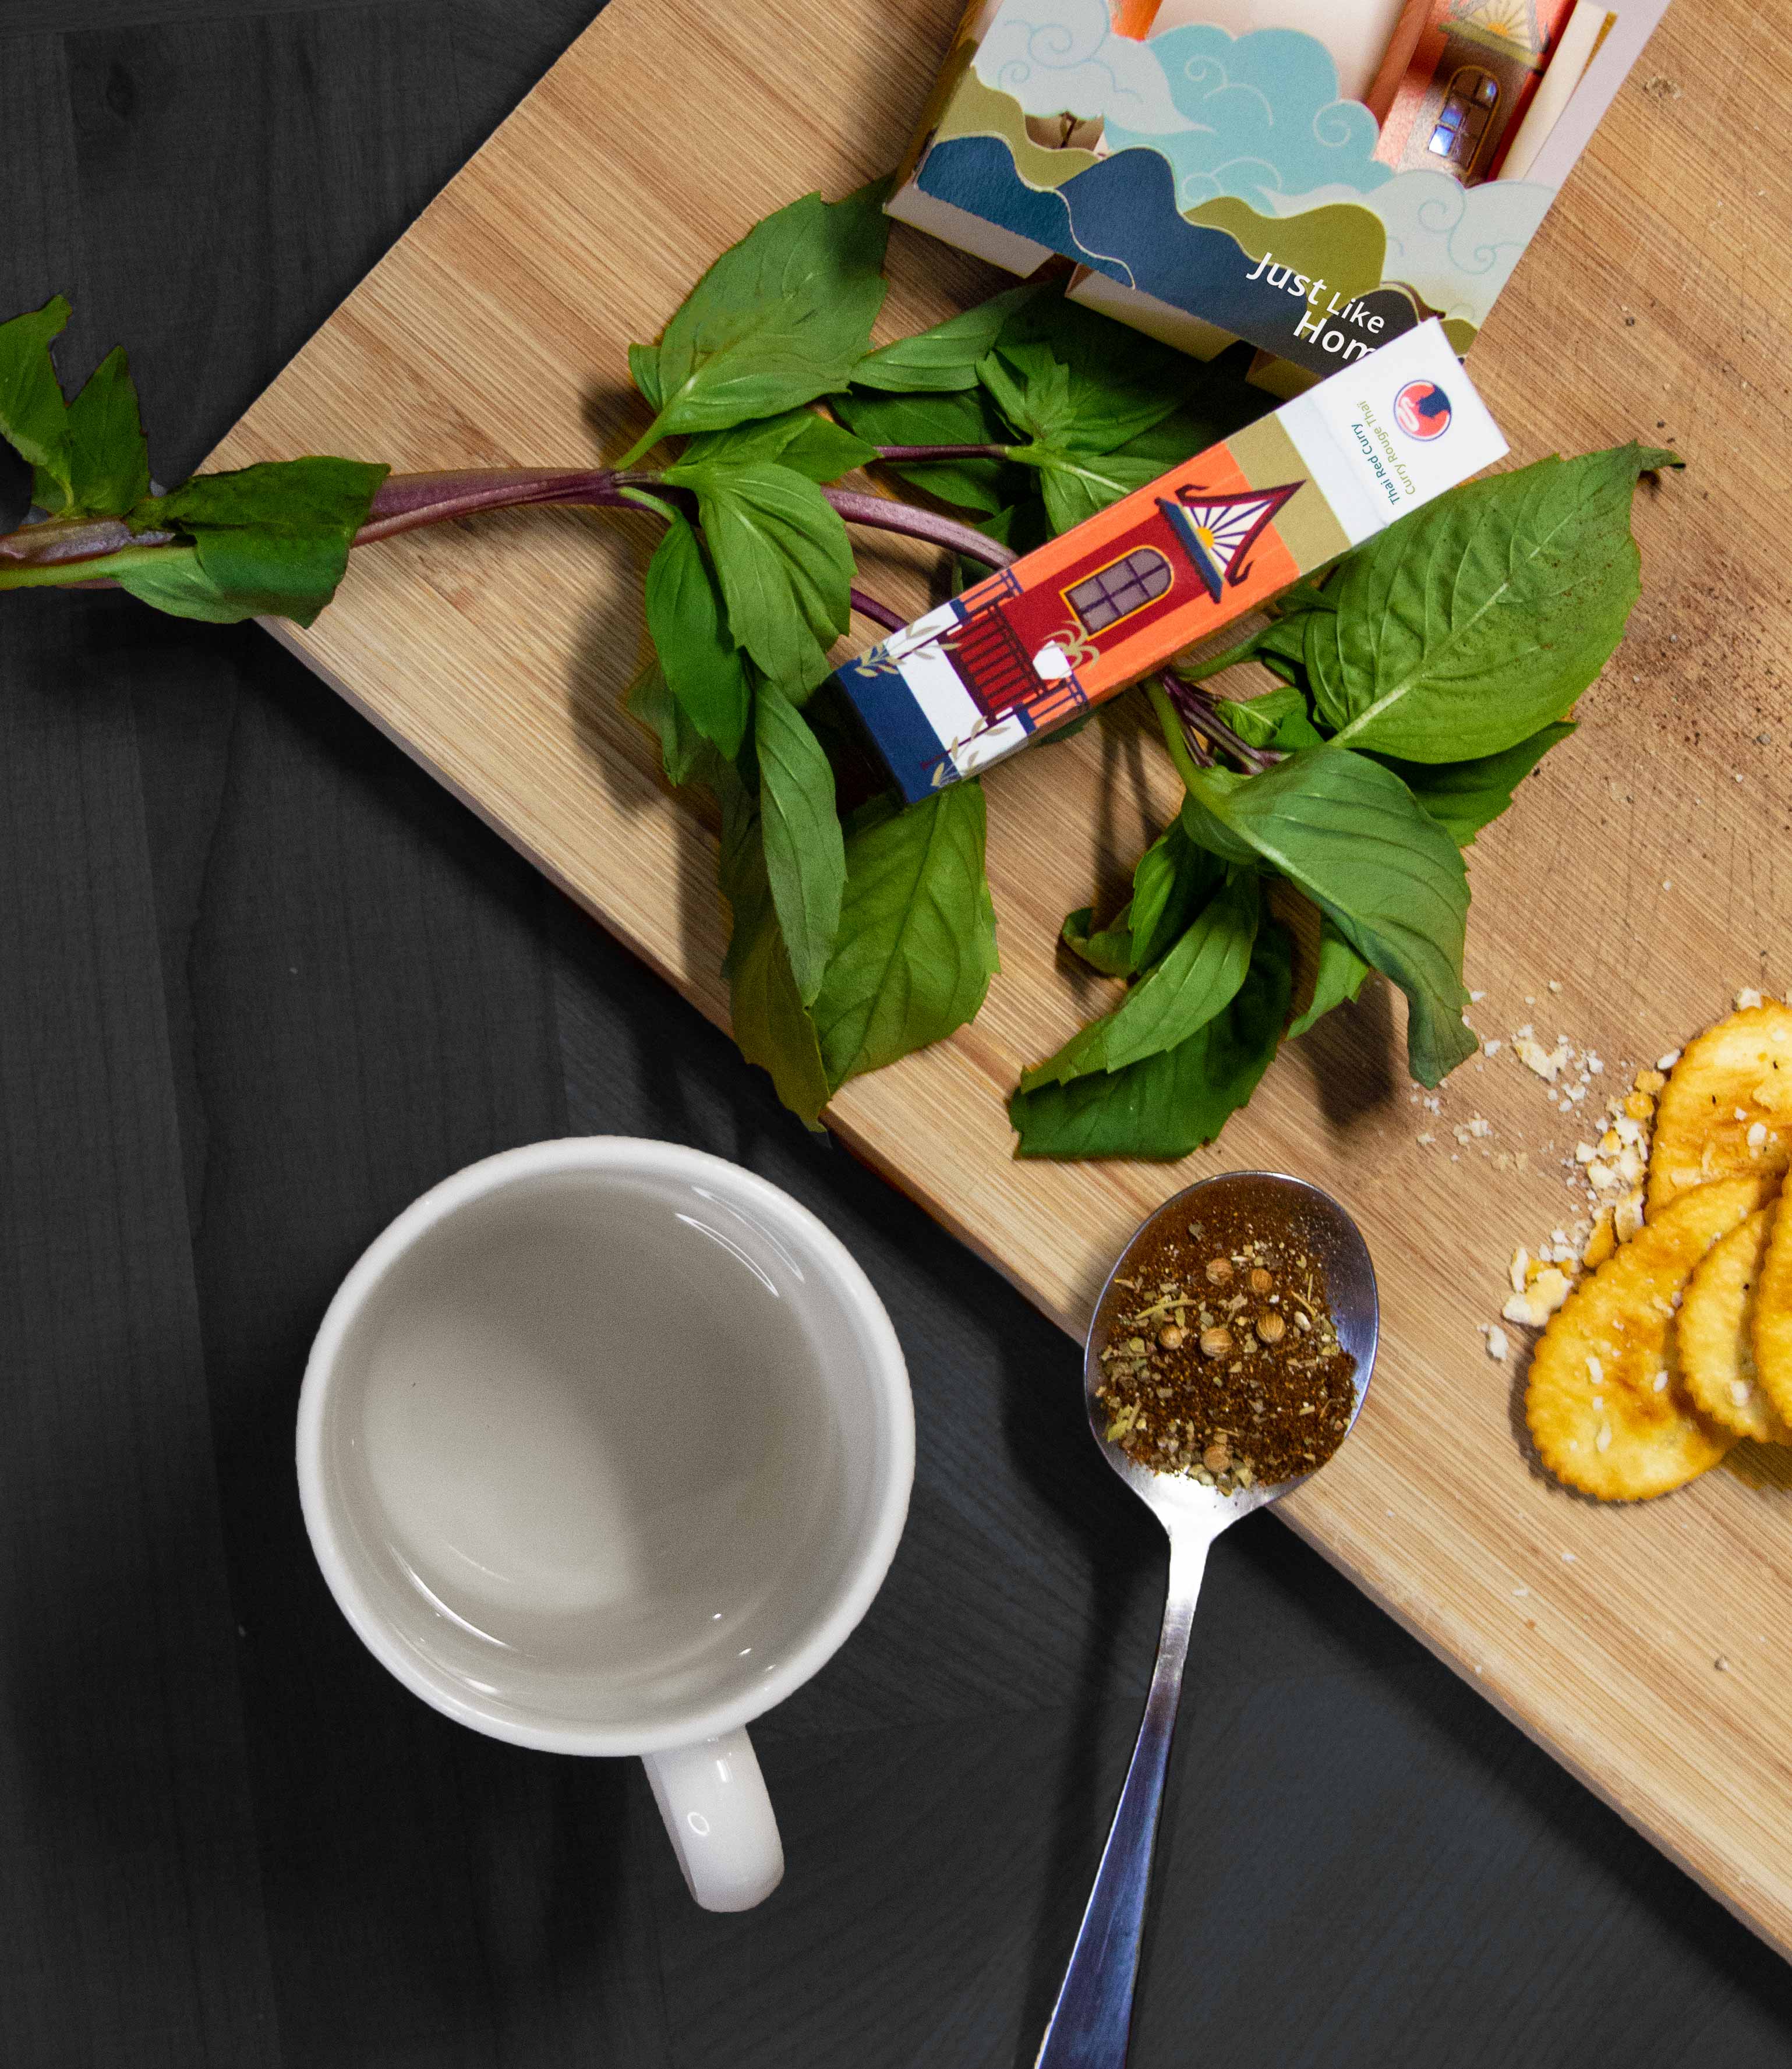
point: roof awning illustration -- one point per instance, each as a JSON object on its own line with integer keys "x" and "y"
{"x": 1217, "y": 532}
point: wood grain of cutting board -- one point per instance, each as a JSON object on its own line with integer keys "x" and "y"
{"x": 1644, "y": 870}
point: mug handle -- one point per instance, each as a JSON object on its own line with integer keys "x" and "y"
{"x": 719, "y": 1818}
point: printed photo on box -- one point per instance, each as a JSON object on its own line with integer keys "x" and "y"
{"x": 1316, "y": 177}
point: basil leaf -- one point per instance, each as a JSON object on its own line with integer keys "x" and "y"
{"x": 171, "y": 580}
{"x": 1199, "y": 978}
{"x": 1349, "y": 834}
{"x": 1285, "y": 638}
{"x": 644, "y": 371}
{"x": 811, "y": 445}
{"x": 108, "y": 461}
{"x": 88, "y": 457}
{"x": 965, "y": 417}
{"x": 1109, "y": 950}
{"x": 1341, "y": 971}
{"x": 780, "y": 317}
{"x": 1021, "y": 525}
{"x": 771, "y": 1025}
{"x": 1105, "y": 416}
{"x": 782, "y": 556}
{"x": 1121, "y": 383}
{"x": 293, "y": 497}
{"x": 1309, "y": 593}
{"x": 805, "y": 855}
{"x": 947, "y": 356}
{"x": 684, "y": 754}
{"x": 741, "y": 865}
{"x": 1076, "y": 485}
{"x": 270, "y": 541}
{"x": 705, "y": 672}
{"x": 33, "y": 415}
{"x": 1220, "y": 405}
{"x": 1173, "y": 879}
{"x": 291, "y": 575}
{"x": 1463, "y": 797}
{"x": 916, "y": 946}
{"x": 1032, "y": 390}
{"x": 1257, "y": 720}
{"x": 1296, "y": 730}
{"x": 1461, "y": 630}
{"x": 288, "y": 576}
{"x": 1178, "y": 1100}
{"x": 958, "y": 419}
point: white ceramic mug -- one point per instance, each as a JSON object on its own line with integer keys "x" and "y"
{"x": 604, "y": 1447}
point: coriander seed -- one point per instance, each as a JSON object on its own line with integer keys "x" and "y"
{"x": 1219, "y": 1271}
{"x": 1272, "y": 1328}
{"x": 1171, "y": 1336}
{"x": 1260, "y": 1280}
{"x": 1216, "y": 1342}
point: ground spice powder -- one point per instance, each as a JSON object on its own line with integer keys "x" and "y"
{"x": 1219, "y": 1357}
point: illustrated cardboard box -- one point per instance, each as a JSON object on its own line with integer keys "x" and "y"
{"x": 1315, "y": 187}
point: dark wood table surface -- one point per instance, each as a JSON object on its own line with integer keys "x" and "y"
{"x": 261, "y": 982}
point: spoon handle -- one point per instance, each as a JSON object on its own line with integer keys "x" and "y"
{"x": 1091, "y": 2021}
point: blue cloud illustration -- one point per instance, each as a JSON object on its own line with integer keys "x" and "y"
{"x": 1264, "y": 118}
{"x": 1456, "y": 246}
{"x": 1058, "y": 56}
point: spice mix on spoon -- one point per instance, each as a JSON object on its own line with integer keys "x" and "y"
{"x": 1220, "y": 1358}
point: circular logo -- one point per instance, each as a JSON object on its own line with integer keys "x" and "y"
{"x": 1422, "y": 409}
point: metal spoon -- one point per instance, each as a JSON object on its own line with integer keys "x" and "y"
{"x": 1092, "y": 2018}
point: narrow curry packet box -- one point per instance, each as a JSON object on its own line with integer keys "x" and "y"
{"x": 1114, "y": 598}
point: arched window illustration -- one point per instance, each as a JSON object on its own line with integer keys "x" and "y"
{"x": 1116, "y": 591}
{"x": 1462, "y": 121}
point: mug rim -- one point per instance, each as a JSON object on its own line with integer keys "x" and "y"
{"x": 874, "y": 1549}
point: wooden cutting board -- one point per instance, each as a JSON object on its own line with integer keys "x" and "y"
{"x": 1643, "y": 871}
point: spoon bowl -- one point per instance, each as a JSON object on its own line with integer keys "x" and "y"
{"x": 1091, "y": 2021}
{"x": 1313, "y": 1221}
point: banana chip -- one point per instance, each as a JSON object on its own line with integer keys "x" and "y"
{"x": 1605, "y": 1404}
{"x": 1717, "y": 1361}
{"x": 1727, "y": 1109}
{"x": 1771, "y": 1326}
